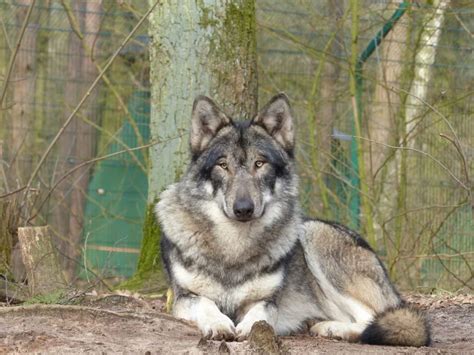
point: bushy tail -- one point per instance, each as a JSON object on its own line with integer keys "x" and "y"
{"x": 402, "y": 326}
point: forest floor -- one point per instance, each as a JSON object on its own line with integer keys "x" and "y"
{"x": 118, "y": 323}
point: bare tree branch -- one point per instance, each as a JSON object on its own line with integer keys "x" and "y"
{"x": 84, "y": 98}
{"x": 423, "y": 153}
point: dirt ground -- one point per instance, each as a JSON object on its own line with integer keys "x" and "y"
{"x": 125, "y": 324}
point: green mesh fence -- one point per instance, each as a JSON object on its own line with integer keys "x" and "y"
{"x": 417, "y": 126}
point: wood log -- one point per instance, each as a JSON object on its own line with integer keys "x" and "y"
{"x": 43, "y": 272}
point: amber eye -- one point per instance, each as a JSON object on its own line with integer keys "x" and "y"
{"x": 223, "y": 165}
{"x": 259, "y": 163}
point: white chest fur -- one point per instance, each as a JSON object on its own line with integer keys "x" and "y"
{"x": 228, "y": 297}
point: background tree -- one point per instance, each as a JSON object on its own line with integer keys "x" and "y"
{"x": 23, "y": 81}
{"x": 196, "y": 48}
{"x": 384, "y": 113}
{"x": 79, "y": 141}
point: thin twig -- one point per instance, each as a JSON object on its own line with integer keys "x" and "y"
{"x": 5, "y": 34}
{"x": 85, "y": 97}
{"x": 424, "y": 208}
{"x": 435, "y": 110}
{"x": 116, "y": 139}
{"x": 463, "y": 25}
{"x": 84, "y": 255}
{"x": 431, "y": 256}
{"x": 83, "y": 164}
{"x": 461, "y": 281}
{"x": 87, "y": 162}
{"x": 72, "y": 19}
{"x": 461, "y": 255}
{"x": 15, "y": 53}
{"x": 13, "y": 192}
{"x": 459, "y": 149}
{"x": 445, "y": 119}
{"x": 421, "y": 152}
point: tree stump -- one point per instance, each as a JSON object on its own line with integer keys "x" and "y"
{"x": 43, "y": 272}
{"x": 263, "y": 340}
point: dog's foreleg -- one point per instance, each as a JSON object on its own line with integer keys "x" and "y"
{"x": 210, "y": 320}
{"x": 262, "y": 310}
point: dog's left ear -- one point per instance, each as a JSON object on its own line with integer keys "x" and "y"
{"x": 277, "y": 120}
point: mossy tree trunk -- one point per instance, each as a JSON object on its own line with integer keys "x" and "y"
{"x": 198, "y": 47}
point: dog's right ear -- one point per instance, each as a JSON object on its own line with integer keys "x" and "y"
{"x": 207, "y": 120}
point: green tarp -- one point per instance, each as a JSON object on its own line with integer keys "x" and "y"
{"x": 116, "y": 200}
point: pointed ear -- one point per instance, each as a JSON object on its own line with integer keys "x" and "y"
{"x": 207, "y": 119}
{"x": 276, "y": 118}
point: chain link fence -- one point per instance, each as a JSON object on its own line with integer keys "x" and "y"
{"x": 417, "y": 127}
{"x": 416, "y": 133}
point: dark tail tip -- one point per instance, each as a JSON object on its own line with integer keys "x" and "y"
{"x": 402, "y": 326}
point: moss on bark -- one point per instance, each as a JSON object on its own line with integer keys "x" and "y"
{"x": 232, "y": 58}
{"x": 149, "y": 276}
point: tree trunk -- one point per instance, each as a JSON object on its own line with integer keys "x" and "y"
{"x": 22, "y": 83}
{"x": 20, "y": 136}
{"x": 424, "y": 60}
{"x": 196, "y": 49}
{"x": 326, "y": 113}
{"x": 57, "y": 67}
{"x": 382, "y": 126}
{"x": 65, "y": 154}
{"x": 422, "y": 75}
{"x": 77, "y": 144}
{"x": 84, "y": 148}
{"x": 386, "y": 101}
{"x": 42, "y": 269}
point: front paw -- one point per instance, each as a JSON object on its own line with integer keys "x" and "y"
{"x": 326, "y": 329}
{"x": 220, "y": 327}
{"x": 243, "y": 328}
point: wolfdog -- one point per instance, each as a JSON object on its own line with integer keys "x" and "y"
{"x": 237, "y": 249}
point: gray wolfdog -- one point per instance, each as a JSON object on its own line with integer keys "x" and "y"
{"x": 237, "y": 250}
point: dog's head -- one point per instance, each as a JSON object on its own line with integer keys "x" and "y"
{"x": 242, "y": 166}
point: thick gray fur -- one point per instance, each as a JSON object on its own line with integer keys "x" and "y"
{"x": 237, "y": 249}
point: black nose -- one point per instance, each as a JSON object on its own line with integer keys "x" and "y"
{"x": 243, "y": 209}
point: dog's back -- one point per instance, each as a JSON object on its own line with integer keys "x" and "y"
{"x": 339, "y": 284}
